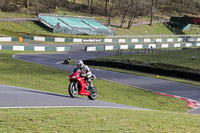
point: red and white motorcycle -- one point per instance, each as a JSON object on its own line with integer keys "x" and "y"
{"x": 79, "y": 86}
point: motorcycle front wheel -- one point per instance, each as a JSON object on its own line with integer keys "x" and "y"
{"x": 93, "y": 93}
{"x": 73, "y": 89}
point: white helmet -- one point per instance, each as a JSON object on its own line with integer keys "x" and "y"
{"x": 79, "y": 64}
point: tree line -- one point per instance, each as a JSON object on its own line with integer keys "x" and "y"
{"x": 127, "y": 10}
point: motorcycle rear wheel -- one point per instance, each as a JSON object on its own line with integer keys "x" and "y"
{"x": 73, "y": 89}
{"x": 93, "y": 93}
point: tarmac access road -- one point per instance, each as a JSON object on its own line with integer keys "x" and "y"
{"x": 158, "y": 85}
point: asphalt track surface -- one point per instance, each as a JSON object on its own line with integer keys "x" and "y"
{"x": 158, "y": 85}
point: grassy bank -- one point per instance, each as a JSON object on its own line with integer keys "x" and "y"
{"x": 156, "y": 29}
{"x": 18, "y": 29}
{"x": 181, "y": 58}
{"x": 33, "y": 29}
{"x": 91, "y": 120}
{"x": 19, "y": 73}
{"x": 4, "y": 15}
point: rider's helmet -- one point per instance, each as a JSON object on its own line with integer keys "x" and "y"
{"x": 79, "y": 64}
{"x": 69, "y": 58}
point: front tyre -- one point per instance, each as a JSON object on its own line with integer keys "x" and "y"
{"x": 73, "y": 89}
{"x": 93, "y": 93}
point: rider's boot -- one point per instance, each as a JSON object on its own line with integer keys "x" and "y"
{"x": 87, "y": 87}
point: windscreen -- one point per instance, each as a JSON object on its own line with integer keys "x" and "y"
{"x": 75, "y": 70}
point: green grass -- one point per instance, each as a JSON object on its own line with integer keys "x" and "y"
{"x": 156, "y": 29}
{"x": 13, "y": 42}
{"x": 32, "y": 29}
{"x": 15, "y": 15}
{"x": 181, "y": 58}
{"x": 24, "y": 74}
{"x": 95, "y": 120}
{"x": 19, "y": 29}
{"x": 114, "y": 20}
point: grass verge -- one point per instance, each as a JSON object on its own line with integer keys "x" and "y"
{"x": 15, "y": 15}
{"x": 2, "y": 43}
{"x": 24, "y": 74}
{"x": 33, "y": 29}
{"x": 179, "y": 58}
{"x": 95, "y": 120}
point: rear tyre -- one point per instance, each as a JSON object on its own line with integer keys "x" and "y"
{"x": 93, "y": 93}
{"x": 73, "y": 89}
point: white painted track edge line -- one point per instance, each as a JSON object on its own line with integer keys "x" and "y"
{"x": 25, "y": 107}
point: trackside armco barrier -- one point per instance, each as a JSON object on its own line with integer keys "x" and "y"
{"x": 34, "y": 48}
{"x": 140, "y": 46}
{"x": 10, "y": 39}
{"x": 114, "y": 40}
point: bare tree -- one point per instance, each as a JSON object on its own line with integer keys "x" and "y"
{"x": 125, "y": 11}
{"x": 152, "y": 11}
{"x": 118, "y": 7}
{"x": 134, "y": 12}
{"x": 156, "y": 3}
{"x": 89, "y": 5}
{"x": 92, "y": 6}
{"x": 1, "y": 6}
{"x": 111, "y": 9}
{"x": 106, "y": 5}
{"x": 28, "y": 3}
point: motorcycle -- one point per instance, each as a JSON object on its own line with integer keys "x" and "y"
{"x": 65, "y": 62}
{"x": 79, "y": 86}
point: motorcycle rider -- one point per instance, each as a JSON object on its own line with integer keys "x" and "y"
{"x": 85, "y": 71}
{"x": 66, "y": 61}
